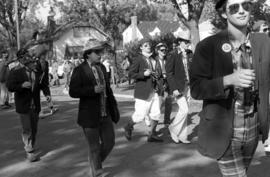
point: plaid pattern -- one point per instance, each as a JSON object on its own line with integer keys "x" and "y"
{"x": 237, "y": 159}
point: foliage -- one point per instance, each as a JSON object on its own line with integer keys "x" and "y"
{"x": 27, "y": 21}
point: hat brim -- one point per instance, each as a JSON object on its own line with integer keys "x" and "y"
{"x": 182, "y": 39}
{"x": 100, "y": 47}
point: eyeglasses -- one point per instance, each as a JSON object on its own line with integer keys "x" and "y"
{"x": 234, "y": 8}
{"x": 163, "y": 50}
{"x": 98, "y": 51}
{"x": 146, "y": 45}
{"x": 266, "y": 30}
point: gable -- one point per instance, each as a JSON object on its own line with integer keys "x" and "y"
{"x": 165, "y": 27}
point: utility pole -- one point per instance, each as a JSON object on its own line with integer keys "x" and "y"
{"x": 17, "y": 24}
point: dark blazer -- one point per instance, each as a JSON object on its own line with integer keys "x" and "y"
{"x": 144, "y": 84}
{"x": 176, "y": 76}
{"x": 82, "y": 86}
{"x": 24, "y": 96}
{"x": 210, "y": 64}
{"x": 44, "y": 68}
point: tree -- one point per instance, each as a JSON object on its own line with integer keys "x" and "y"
{"x": 8, "y": 22}
{"x": 189, "y": 13}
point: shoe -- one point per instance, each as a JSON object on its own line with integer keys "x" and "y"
{"x": 175, "y": 139}
{"x": 154, "y": 138}
{"x": 185, "y": 141}
{"x": 128, "y": 131}
{"x": 5, "y": 106}
{"x": 267, "y": 150}
{"x": 32, "y": 157}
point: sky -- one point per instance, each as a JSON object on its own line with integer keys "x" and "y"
{"x": 43, "y": 11}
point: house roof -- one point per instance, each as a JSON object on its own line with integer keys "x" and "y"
{"x": 165, "y": 27}
{"x": 60, "y": 29}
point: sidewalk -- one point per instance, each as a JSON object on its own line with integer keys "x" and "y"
{"x": 63, "y": 148}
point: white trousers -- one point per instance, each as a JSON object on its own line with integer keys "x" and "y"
{"x": 178, "y": 128}
{"x": 147, "y": 108}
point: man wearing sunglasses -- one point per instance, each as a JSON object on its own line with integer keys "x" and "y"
{"x": 161, "y": 56}
{"x": 97, "y": 107}
{"x": 147, "y": 101}
{"x": 230, "y": 73}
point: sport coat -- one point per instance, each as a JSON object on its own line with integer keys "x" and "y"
{"x": 176, "y": 76}
{"x": 82, "y": 85}
{"x": 211, "y": 62}
{"x": 144, "y": 87}
{"x": 24, "y": 96}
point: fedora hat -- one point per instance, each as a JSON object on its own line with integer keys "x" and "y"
{"x": 184, "y": 35}
{"x": 24, "y": 57}
{"x": 94, "y": 44}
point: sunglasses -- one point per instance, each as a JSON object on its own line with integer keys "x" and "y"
{"x": 266, "y": 30}
{"x": 146, "y": 45}
{"x": 234, "y": 8}
{"x": 163, "y": 50}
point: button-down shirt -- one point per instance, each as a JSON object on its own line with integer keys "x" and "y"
{"x": 245, "y": 119}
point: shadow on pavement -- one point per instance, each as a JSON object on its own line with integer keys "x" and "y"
{"x": 64, "y": 150}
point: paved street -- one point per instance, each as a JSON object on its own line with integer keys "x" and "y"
{"x": 63, "y": 149}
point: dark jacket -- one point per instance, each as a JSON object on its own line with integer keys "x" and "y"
{"x": 24, "y": 96}
{"x": 176, "y": 76}
{"x": 82, "y": 86}
{"x": 145, "y": 86}
{"x": 211, "y": 62}
{"x": 44, "y": 68}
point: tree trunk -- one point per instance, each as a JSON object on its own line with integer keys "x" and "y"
{"x": 195, "y": 34}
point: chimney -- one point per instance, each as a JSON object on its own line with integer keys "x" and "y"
{"x": 134, "y": 28}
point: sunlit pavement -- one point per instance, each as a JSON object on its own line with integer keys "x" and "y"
{"x": 63, "y": 149}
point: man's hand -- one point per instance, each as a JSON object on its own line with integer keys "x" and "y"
{"x": 176, "y": 93}
{"x": 243, "y": 78}
{"x": 147, "y": 72}
{"x": 99, "y": 88}
{"x": 26, "y": 85}
{"x": 48, "y": 98}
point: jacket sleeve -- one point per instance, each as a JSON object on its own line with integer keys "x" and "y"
{"x": 44, "y": 80}
{"x": 203, "y": 84}
{"x": 13, "y": 83}
{"x": 170, "y": 72}
{"x": 135, "y": 72}
{"x": 78, "y": 88}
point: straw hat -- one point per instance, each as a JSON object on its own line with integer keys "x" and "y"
{"x": 184, "y": 35}
{"x": 94, "y": 44}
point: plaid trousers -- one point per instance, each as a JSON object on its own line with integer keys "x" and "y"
{"x": 237, "y": 158}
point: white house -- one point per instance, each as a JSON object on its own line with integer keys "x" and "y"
{"x": 70, "y": 41}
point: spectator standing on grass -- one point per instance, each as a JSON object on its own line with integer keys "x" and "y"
{"x": 230, "y": 73}
{"x": 68, "y": 67}
{"x": 97, "y": 107}
{"x": 4, "y": 71}
{"x": 55, "y": 79}
{"x": 125, "y": 64}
